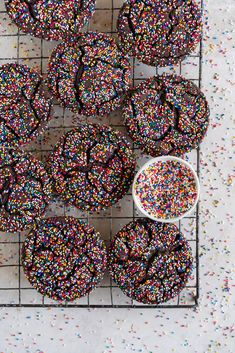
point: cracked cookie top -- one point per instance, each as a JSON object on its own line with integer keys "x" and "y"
{"x": 150, "y": 261}
{"x": 166, "y": 115}
{"x": 24, "y": 108}
{"x": 161, "y": 32}
{"x": 25, "y": 190}
{"x": 92, "y": 166}
{"x": 63, "y": 258}
{"x": 90, "y": 75}
{"x": 50, "y": 19}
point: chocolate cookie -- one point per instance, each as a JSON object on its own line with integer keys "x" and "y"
{"x": 24, "y": 108}
{"x": 92, "y": 167}
{"x": 150, "y": 261}
{"x": 166, "y": 115}
{"x": 161, "y": 32}
{"x": 63, "y": 258}
{"x": 50, "y": 19}
{"x": 25, "y": 190}
{"x": 90, "y": 75}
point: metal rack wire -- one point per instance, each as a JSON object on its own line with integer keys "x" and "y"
{"x": 15, "y": 291}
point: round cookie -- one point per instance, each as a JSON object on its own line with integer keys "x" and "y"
{"x": 150, "y": 261}
{"x": 50, "y": 19}
{"x": 161, "y": 32}
{"x": 24, "y": 108}
{"x": 25, "y": 189}
{"x": 90, "y": 75}
{"x": 63, "y": 258}
{"x": 166, "y": 115}
{"x": 92, "y": 166}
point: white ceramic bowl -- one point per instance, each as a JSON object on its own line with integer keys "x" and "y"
{"x": 146, "y": 165}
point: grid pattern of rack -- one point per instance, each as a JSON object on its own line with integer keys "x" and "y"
{"x": 14, "y": 288}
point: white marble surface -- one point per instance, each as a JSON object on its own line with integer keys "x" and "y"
{"x": 211, "y": 327}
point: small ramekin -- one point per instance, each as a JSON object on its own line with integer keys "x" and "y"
{"x": 145, "y": 166}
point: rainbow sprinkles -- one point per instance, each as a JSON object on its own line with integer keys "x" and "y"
{"x": 166, "y": 189}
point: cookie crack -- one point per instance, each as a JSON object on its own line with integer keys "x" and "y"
{"x": 30, "y": 6}
{"x": 5, "y": 192}
{"x": 130, "y": 23}
{"x": 78, "y": 77}
{"x": 30, "y": 103}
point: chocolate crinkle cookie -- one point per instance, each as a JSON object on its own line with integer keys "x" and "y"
{"x": 24, "y": 107}
{"x": 50, "y": 19}
{"x": 166, "y": 115}
{"x": 92, "y": 167}
{"x": 161, "y": 32}
{"x": 63, "y": 258}
{"x": 25, "y": 190}
{"x": 90, "y": 75}
{"x": 151, "y": 262}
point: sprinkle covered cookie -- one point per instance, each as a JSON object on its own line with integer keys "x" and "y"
{"x": 166, "y": 115}
{"x": 24, "y": 108}
{"x": 50, "y": 19}
{"x": 63, "y": 258}
{"x": 92, "y": 166}
{"x": 25, "y": 190}
{"x": 90, "y": 75}
{"x": 150, "y": 261}
{"x": 161, "y": 32}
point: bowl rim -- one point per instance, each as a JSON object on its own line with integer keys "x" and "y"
{"x": 145, "y": 166}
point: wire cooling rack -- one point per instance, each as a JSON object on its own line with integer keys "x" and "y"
{"x": 15, "y": 291}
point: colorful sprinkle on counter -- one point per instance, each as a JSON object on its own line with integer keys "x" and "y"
{"x": 166, "y": 189}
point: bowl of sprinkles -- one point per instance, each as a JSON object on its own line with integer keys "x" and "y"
{"x": 166, "y": 189}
